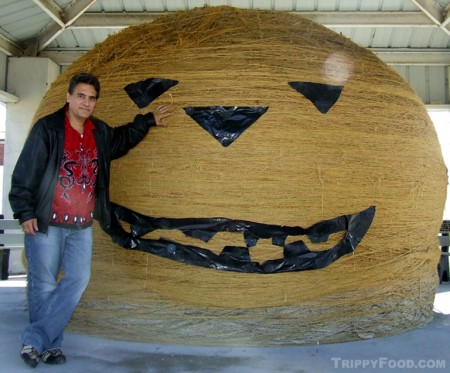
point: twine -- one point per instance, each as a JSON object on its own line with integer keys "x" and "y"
{"x": 294, "y": 166}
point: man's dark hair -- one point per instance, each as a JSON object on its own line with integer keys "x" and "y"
{"x": 85, "y": 78}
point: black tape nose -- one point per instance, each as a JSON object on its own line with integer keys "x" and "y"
{"x": 225, "y": 123}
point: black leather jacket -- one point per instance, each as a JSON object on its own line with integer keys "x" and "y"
{"x": 35, "y": 175}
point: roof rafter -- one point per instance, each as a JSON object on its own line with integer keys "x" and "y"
{"x": 61, "y": 20}
{"x": 435, "y": 12}
{"x": 329, "y": 19}
{"x": 114, "y": 20}
{"x": 369, "y": 19}
{"x": 434, "y": 57}
{"x": 52, "y": 9}
{"x": 9, "y": 48}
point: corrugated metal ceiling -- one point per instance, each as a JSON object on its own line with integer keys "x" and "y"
{"x": 392, "y": 23}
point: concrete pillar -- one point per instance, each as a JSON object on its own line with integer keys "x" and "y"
{"x": 3, "y": 62}
{"x": 29, "y": 79}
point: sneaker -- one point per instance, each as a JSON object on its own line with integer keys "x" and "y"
{"x": 53, "y": 356}
{"x": 29, "y": 355}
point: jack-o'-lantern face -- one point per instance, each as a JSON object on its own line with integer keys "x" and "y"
{"x": 226, "y": 124}
{"x": 284, "y": 139}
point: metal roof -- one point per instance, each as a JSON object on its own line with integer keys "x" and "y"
{"x": 404, "y": 33}
{"x": 415, "y": 28}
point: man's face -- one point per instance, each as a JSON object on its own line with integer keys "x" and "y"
{"x": 82, "y": 101}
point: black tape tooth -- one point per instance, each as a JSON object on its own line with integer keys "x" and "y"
{"x": 250, "y": 238}
{"x": 279, "y": 240}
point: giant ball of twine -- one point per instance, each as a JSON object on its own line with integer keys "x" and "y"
{"x": 295, "y": 166}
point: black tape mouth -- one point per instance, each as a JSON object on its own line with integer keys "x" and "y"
{"x": 296, "y": 255}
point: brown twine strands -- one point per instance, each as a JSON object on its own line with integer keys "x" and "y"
{"x": 294, "y": 166}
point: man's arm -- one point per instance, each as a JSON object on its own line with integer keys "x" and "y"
{"x": 128, "y": 136}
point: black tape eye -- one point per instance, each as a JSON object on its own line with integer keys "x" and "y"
{"x": 225, "y": 123}
{"x": 323, "y": 96}
{"x": 144, "y": 92}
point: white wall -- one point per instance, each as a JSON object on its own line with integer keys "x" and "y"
{"x": 28, "y": 78}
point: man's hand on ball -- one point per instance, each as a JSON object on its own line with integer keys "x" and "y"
{"x": 160, "y": 113}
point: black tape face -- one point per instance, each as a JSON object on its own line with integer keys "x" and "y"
{"x": 297, "y": 256}
{"x": 226, "y": 124}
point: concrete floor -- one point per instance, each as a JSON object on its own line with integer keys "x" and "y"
{"x": 420, "y": 350}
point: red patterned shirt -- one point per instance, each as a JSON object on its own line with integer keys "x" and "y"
{"x": 74, "y": 199}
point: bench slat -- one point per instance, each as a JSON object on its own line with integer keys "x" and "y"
{"x": 11, "y": 239}
{"x": 444, "y": 240}
{"x": 9, "y": 224}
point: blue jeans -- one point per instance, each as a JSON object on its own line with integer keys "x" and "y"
{"x": 51, "y": 302}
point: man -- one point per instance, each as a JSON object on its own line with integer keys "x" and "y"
{"x": 59, "y": 185}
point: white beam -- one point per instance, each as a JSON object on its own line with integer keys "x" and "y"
{"x": 75, "y": 10}
{"x": 54, "y": 29}
{"x": 369, "y": 19}
{"x": 114, "y": 20}
{"x": 50, "y": 33}
{"x": 446, "y": 16}
{"x": 434, "y": 11}
{"x": 426, "y": 57}
{"x": 53, "y": 10}
{"x": 430, "y": 8}
{"x": 9, "y": 48}
{"x": 328, "y": 19}
{"x": 7, "y": 98}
